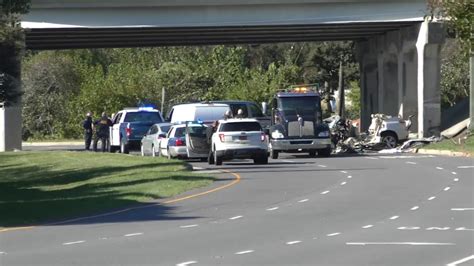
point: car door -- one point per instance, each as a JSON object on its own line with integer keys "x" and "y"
{"x": 115, "y": 130}
{"x": 197, "y": 145}
{"x": 148, "y": 139}
{"x": 164, "y": 142}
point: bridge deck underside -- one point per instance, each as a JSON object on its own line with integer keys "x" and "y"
{"x": 71, "y": 38}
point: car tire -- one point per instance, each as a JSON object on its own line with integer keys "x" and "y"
{"x": 210, "y": 158}
{"x": 312, "y": 154}
{"x": 142, "y": 151}
{"x": 274, "y": 154}
{"x": 389, "y": 140}
{"x": 124, "y": 148}
{"x": 261, "y": 160}
{"x": 217, "y": 159}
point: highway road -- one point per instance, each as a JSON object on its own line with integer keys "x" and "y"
{"x": 401, "y": 209}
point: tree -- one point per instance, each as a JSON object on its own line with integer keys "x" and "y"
{"x": 11, "y": 48}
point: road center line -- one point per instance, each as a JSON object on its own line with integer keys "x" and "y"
{"x": 303, "y": 200}
{"x": 189, "y": 226}
{"x": 244, "y": 252}
{"x": 460, "y": 261}
{"x": 293, "y": 242}
{"x": 74, "y": 242}
{"x": 133, "y": 234}
{"x": 400, "y": 243}
{"x": 325, "y": 192}
{"x": 236, "y": 217}
{"x": 186, "y": 263}
{"x": 272, "y": 209}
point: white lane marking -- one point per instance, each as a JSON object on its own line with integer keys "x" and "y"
{"x": 466, "y": 166}
{"x": 371, "y": 158}
{"x": 439, "y": 168}
{"x": 406, "y": 157}
{"x": 344, "y": 172}
{"x": 186, "y": 263}
{"x": 410, "y": 162}
{"x": 272, "y": 209}
{"x": 244, "y": 252}
{"x": 2, "y": 253}
{"x": 349, "y": 176}
{"x": 446, "y": 188}
{"x": 432, "y": 198}
{"x": 287, "y": 161}
{"x": 367, "y": 226}
{"x": 133, "y": 234}
{"x": 462, "y": 209}
{"x": 334, "y": 234}
{"x": 454, "y": 173}
{"x": 394, "y": 217}
{"x": 408, "y": 228}
{"x": 74, "y": 242}
{"x": 456, "y": 179}
{"x": 460, "y": 261}
{"x": 400, "y": 243}
{"x": 322, "y": 166}
{"x": 189, "y": 226}
{"x": 343, "y": 183}
{"x": 437, "y": 228}
{"x": 415, "y": 208}
{"x": 463, "y": 229}
{"x": 236, "y": 217}
{"x": 325, "y": 192}
{"x": 303, "y": 200}
{"x": 293, "y": 242}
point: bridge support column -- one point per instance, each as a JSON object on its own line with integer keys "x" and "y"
{"x": 10, "y": 111}
{"x": 429, "y": 43}
{"x": 400, "y": 75}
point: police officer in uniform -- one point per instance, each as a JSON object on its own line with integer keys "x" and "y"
{"x": 87, "y": 125}
{"x": 102, "y": 131}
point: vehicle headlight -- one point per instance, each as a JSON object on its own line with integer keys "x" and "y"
{"x": 323, "y": 134}
{"x": 277, "y": 135}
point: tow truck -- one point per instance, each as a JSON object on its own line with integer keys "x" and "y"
{"x": 296, "y": 123}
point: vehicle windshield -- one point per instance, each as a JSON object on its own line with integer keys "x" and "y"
{"x": 179, "y": 132}
{"x": 143, "y": 117}
{"x": 241, "y": 126}
{"x": 308, "y": 107}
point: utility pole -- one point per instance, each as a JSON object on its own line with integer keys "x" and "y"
{"x": 471, "y": 90}
{"x": 162, "y": 99}
{"x": 340, "y": 104}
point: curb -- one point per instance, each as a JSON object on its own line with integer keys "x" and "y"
{"x": 41, "y": 144}
{"x": 443, "y": 152}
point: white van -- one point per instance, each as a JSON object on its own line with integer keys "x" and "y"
{"x": 205, "y": 112}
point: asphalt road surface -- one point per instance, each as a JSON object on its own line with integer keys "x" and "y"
{"x": 363, "y": 210}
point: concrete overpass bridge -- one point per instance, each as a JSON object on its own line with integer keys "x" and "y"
{"x": 398, "y": 49}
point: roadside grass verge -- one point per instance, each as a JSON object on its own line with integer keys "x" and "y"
{"x": 38, "y": 187}
{"x": 451, "y": 145}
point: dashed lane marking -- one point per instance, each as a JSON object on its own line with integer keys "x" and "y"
{"x": 454, "y": 173}
{"x": 367, "y": 226}
{"x": 322, "y": 166}
{"x": 463, "y": 229}
{"x": 466, "y": 166}
{"x": 410, "y": 162}
{"x": 371, "y": 158}
{"x": 461, "y": 261}
{"x": 293, "y": 242}
{"x": 349, "y": 176}
{"x": 272, "y": 209}
{"x": 394, "y": 217}
{"x": 236, "y": 217}
{"x": 133, "y": 234}
{"x": 303, "y": 200}
{"x": 189, "y": 226}
{"x": 343, "y": 183}
{"x": 2, "y": 253}
{"x": 456, "y": 179}
{"x": 432, "y": 198}
{"x": 325, "y": 192}
{"x": 462, "y": 209}
{"x": 446, "y": 188}
{"x": 244, "y": 252}
{"x": 74, "y": 242}
{"x": 400, "y": 243}
{"x": 439, "y": 168}
{"x": 415, "y": 208}
{"x": 334, "y": 234}
{"x": 344, "y": 172}
{"x": 186, "y": 263}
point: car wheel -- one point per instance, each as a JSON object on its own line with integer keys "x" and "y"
{"x": 274, "y": 154}
{"x": 325, "y": 152}
{"x": 217, "y": 159}
{"x": 142, "y": 150}
{"x": 390, "y": 140}
{"x": 124, "y": 148}
{"x": 261, "y": 160}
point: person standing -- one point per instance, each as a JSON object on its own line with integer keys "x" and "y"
{"x": 87, "y": 125}
{"x": 102, "y": 127}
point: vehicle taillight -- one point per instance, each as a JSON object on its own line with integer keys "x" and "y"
{"x": 222, "y": 137}
{"x": 263, "y": 137}
{"x": 128, "y": 131}
{"x": 179, "y": 142}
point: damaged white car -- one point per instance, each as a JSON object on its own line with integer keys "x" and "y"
{"x": 388, "y": 130}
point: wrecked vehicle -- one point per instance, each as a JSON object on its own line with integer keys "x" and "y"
{"x": 388, "y": 130}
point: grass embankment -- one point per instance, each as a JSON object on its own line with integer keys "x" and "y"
{"x": 36, "y": 187}
{"x": 467, "y": 145}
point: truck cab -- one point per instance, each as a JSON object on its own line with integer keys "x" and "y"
{"x": 296, "y": 123}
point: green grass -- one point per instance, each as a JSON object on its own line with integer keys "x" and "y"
{"x": 38, "y": 187}
{"x": 467, "y": 145}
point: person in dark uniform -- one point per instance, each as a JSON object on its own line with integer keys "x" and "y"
{"x": 102, "y": 131}
{"x": 87, "y": 125}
